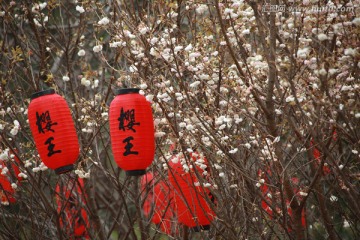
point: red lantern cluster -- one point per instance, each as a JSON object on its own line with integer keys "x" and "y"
{"x": 53, "y": 129}
{"x": 268, "y": 199}
{"x": 132, "y": 131}
{"x": 6, "y": 191}
{"x": 191, "y": 199}
{"x": 70, "y": 202}
{"x": 159, "y": 202}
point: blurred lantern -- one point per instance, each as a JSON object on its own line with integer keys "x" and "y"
{"x": 8, "y": 169}
{"x": 158, "y": 201}
{"x": 71, "y": 202}
{"x": 191, "y": 198}
{"x": 268, "y": 196}
{"x": 317, "y": 156}
{"x": 53, "y": 129}
{"x": 132, "y": 131}
{"x": 6, "y": 191}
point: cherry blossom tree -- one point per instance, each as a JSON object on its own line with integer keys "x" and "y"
{"x": 266, "y": 91}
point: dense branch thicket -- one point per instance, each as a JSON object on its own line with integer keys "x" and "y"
{"x": 266, "y": 91}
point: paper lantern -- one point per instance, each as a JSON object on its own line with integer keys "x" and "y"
{"x": 268, "y": 199}
{"x": 132, "y": 131}
{"x": 6, "y": 191}
{"x": 159, "y": 202}
{"x": 191, "y": 198}
{"x": 317, "y": 157}
{"x": 53, "y": 130}
{"x": 70, "y": 205}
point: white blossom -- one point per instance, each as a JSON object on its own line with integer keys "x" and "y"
{"x": 65, "y": 78}
{"x": 290, "y": 99}
{"x": 4, "y": 171}
{"x": 22, "y": 175}
{"x": 104, "y": 115}
{"x": 85, "y": 82}
{"x": 322, "y": 37}
{"x": 333, "y": 198}
{"x": 104, "y": 21}
{"x": 143, "y": 86}
{"x": 97, "y": 48}
{"x": 133, "y": 69}
{"x": 194, "y": 84}
{"x": 96, "y": 83}
{"x": 350, "y": 52}
{"x": 232, "y": 151}
{"x": 278, "y": 111}
{"x": 149, "y": 97}
{"x": 207, "y": 185}
{"x": 356, "y": 21}
{"x": 354, "y": 151}
{"x": 178, "y": 48}
{"x": 42, "y": 5}
{"x": 81, "y": 53}
{"x": 154, "y": 40}
{"x": 159, "y": 134}
{"x": 14, "y": 131}
{"x": 182, "y": 124}
{"x": 43, "y": 167}
{"x": 217, "y": 166}
{"x": 303, "y": 52}
{"x": 201, "y": 9}
{"x": 80, "y": 9}
{"x": 190, "y": 127}
{"x": 143, "y": 30}
{"x": 14, "y": 186}
{"x": 304, "y": 194}
{"x": 188, "y": 48}
{"x": 16, "y": 128}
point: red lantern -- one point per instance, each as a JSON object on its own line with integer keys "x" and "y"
{"x": 53, "y": 129}
{"x": 317, "y": 157}
{"x": 132, "y": 131}
{"x": 70, "y": 202}
{"x": 159, "y": 201}
{"x": 191, "y": 198}
{"x": 265, "y": 190}
{"x": 317, "y": 154}
{"x": 6, "y": 190}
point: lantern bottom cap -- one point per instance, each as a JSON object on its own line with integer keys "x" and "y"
{"x": 64, "y": 169}
{"x": 201, "y": 227}
{"x": 135, "y": 172}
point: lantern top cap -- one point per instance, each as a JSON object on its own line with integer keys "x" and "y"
{"x": 126, "y": 91}
{"x": 42, "y": 93}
